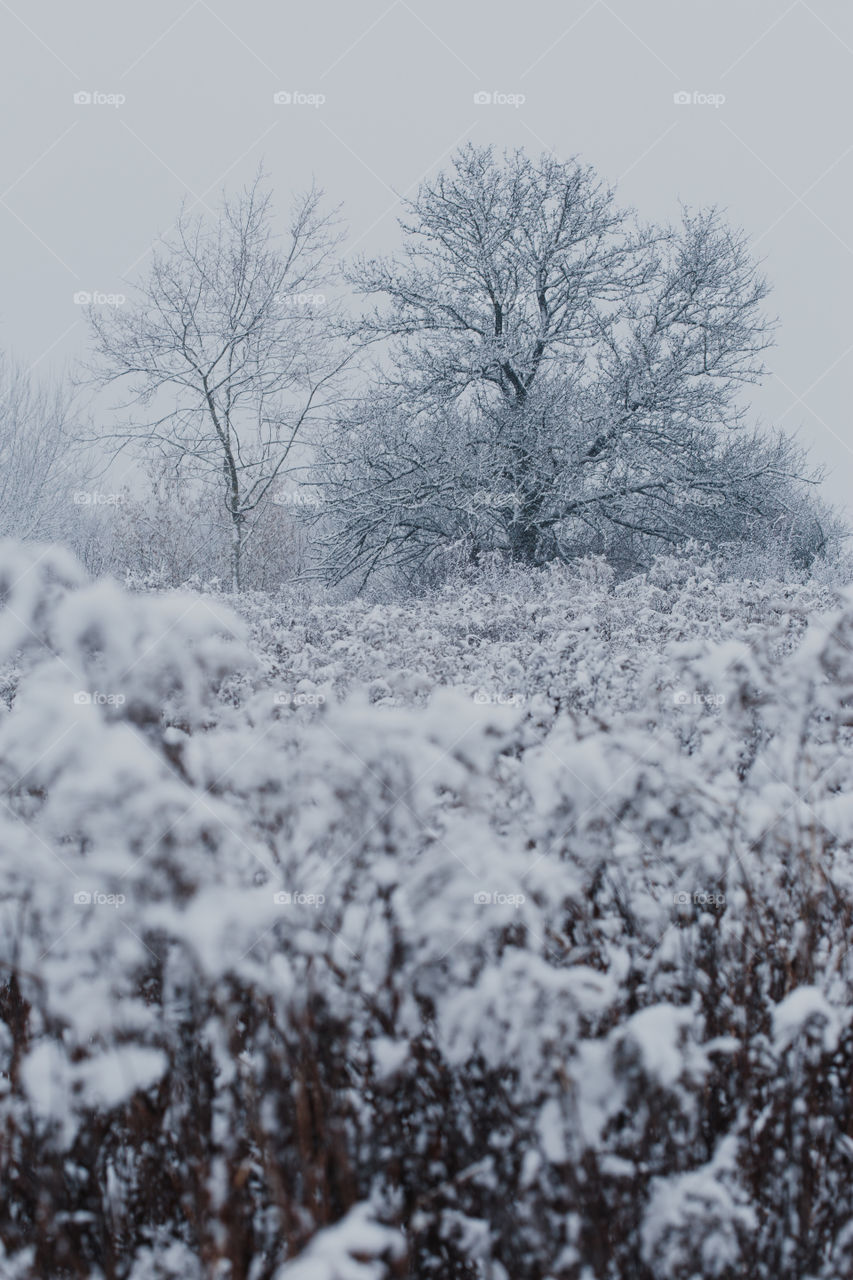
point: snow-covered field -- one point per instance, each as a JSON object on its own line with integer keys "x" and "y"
{"x": 505, "y": 933}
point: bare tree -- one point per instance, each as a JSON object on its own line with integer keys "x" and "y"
{"x": 229, "y": 348}
{"x": 166, "y": 530}
{"x": 38, "y": 461}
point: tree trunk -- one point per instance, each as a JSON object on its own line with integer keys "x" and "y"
{"x": 524, "y": 535}
{"x": 523, "y": 531}
{"x": 237, "y": 537}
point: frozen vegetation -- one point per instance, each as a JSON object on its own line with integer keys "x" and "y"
{"x": 500, "y": 932}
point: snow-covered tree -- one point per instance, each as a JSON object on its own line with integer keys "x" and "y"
{"x": 555, "y": 381}
{"x": 228, "y": 351}
{"x": 167, "y": 531}
{"x": 39, "y": 464}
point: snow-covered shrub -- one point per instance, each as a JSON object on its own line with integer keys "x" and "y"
{"x": 503, "y": 934}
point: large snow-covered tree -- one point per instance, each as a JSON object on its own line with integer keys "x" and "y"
{"x": 554, "y": 378}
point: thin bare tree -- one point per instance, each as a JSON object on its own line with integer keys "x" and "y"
{"x": 39, "y": 462}
{"x": 229, "y": 350}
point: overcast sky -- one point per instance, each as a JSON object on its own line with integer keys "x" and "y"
{"x": 183, "y": 102}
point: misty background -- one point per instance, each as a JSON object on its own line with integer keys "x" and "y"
{"x": 183, "y": 104}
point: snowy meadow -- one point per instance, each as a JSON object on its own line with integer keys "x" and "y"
{"x": 504, "y": 932}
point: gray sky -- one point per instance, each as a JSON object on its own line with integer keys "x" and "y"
{"x": 86, "y": 187}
